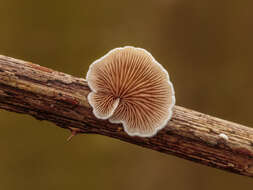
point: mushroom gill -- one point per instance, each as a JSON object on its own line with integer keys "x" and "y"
{"x": 130, "y": 87}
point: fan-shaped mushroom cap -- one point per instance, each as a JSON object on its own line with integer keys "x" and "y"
{"x": 130, "y": 87}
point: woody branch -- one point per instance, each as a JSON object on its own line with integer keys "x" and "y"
{"x": 62, "y": 99}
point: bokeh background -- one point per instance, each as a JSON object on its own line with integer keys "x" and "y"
{"x": 206, "y": 45}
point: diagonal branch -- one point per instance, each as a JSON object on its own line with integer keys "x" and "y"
{"x": 60, "y": 98}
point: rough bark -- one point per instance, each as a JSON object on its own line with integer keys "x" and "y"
{"x": 60, "y": 98}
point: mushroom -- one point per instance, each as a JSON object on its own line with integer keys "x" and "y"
{"x": 129, "y": 86}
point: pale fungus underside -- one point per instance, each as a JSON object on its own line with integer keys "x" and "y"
{"x": 130, "y": 87}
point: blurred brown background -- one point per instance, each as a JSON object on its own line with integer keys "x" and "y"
{"x": 206, "y": 45}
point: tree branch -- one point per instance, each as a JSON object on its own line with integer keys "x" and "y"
{"x": 62, "y": 99}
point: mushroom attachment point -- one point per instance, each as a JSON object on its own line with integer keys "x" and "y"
{"x": 129, "y": 86}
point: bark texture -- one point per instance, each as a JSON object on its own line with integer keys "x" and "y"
{"x": 62, "y": 99}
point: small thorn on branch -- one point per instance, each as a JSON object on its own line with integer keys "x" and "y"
{"x": 74, "y": 132}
